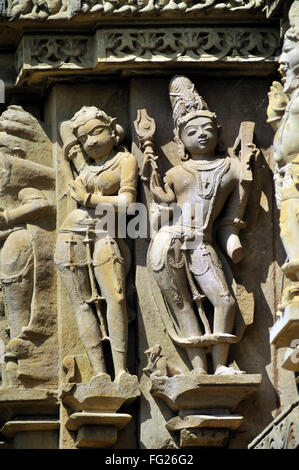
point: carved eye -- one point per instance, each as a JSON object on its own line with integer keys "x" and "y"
{"x": 186, "y": 183}
{"x": 97, "y": 131}
{"x": 191, "y": 132}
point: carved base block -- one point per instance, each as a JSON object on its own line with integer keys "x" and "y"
{"x": 204, "y": 391}
{"x": 16, "y": 401}
{"x": 286, "y": 328}
{"x": 98, "y": 430}
{"x": 96, "y": 437}
{"x": 204, "y": 404}
{"x": 32, "y": 433}
{"x": 95, "y": 404}
{"x": 202, "y": 430}
{"x": 204, "y": 421}
{"x": 10, "y": 428}
{"x": 29, "y": 418}
{"x": 101, "y": 394}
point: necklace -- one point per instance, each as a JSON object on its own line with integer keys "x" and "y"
{"x": 207, "y": 176}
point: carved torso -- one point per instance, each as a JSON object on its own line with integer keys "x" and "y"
{"x": 286, "y": 143}
{"x": 109, "y": 179}
{"x": 103, "y": 179}
{"x": 205, "y": 187}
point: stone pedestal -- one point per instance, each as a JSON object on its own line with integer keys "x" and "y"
{"x": 29, "y": 418}
{"x": 204, "y": 404}
{"x": 97, "y": 429}
{"x": 285, "y": 334}
{"x": 93, "y": 409}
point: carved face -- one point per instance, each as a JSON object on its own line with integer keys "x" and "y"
{"x": 96, "y": 139}
{"x": 289, "y": 64}
{"x": 200, "y": 136}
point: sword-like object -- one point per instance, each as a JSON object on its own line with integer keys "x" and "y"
{"x": 95, "y": 299}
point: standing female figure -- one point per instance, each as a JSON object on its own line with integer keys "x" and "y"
{"x": 92, "y": 262}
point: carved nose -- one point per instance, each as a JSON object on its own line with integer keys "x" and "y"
{"x": 92, "y": 143}
{"x": 202, "y": 135}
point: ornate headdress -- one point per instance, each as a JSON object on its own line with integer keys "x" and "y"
{"x": 87, "y": 113}
{"x": 186, "y": 103}
{"x": 68, "y": 129}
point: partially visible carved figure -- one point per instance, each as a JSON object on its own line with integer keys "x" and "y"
{"x": 17, "y": 258}
{"x": 283, "y": 115}
{"x": 19, "y": 7}
{"x": 210, "y": 193}
{"x": 37, "y": 9}
{"x": 92, "y": 264}
{"x": 158, "y": 365}
{"x": 43, "y": 9}
{"x": 24, "y": 208}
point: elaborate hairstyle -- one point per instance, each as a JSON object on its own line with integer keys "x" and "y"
{"x": 87, "y": 113}
{"x": 69, "y": 129}
{"x": 186, "y": 104}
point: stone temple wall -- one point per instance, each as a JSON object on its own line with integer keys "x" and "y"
{"x": 148, "y": 224}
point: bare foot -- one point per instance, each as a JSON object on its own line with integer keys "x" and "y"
{"x": 119, "y": 374}
{"x": 224, "y": 370}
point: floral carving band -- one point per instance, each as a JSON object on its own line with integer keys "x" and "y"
{"x": 137, "y": 47}
{"x": 188, "y": 44}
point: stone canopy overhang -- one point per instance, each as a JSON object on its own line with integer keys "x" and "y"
{"x": 38, "y": 50}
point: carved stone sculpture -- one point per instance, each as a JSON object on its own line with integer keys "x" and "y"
{"x": 41, "y": 10}
{"x": 92, "y": 264}
{"x": 26, "y": 204}
{"x": 283, "y": 115}
{"x": 208, "y": 193}
{"x": 157, "y": 365}
{"x": 197, "y": 211}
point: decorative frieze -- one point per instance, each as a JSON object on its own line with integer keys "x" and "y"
{"x": 63, "y": 9}
{"x": 54, "y": 52}
{"x": 282, "y": 433}
{"x": 187, "y": 45}
{"x": 140, "y": 47}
